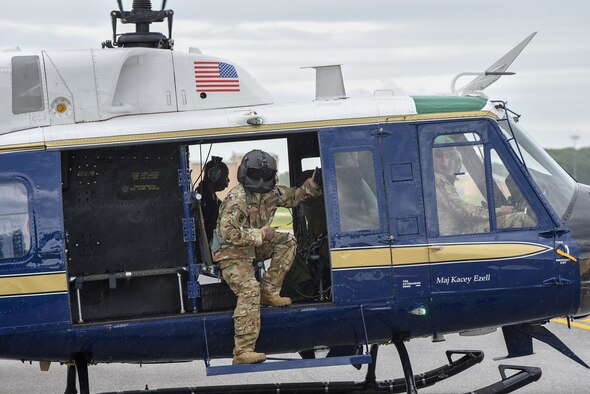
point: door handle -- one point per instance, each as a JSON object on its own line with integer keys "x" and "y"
{"x": 388, "y": 241}
{"x": 436, "y": 248}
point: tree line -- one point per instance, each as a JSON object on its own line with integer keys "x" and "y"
{"x": 575, "y": 161}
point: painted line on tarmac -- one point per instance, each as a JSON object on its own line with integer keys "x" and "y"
{"x": 583, "y": 324}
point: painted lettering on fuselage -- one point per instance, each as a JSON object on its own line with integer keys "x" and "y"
{"x": 454, "y": 279}
{"x": 408, "y": 284}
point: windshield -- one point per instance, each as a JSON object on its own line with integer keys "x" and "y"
{"x": 557, "y": 185}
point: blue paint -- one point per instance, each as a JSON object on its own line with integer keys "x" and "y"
{"x": 184, "y": 181}
{"x": 182, "y": 337}
{"x": 34, "y": 313}
{"x": 354, "y": 286}
{"x": 40, "y": 173}
{"x": 499, "y": 292}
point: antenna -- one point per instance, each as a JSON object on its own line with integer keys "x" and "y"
{"x": 142, "y": 16}
{"x": 492, "y": 73}
{"x": 329, "y": 83}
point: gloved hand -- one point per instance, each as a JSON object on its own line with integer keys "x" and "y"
{"x": 504, "y": 210}
{"x": 268, "y": 233}
{"x": 317, "y": 176}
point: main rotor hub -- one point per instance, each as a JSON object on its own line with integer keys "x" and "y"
{"x": 142, "y": 5}
{"x": 142, "y": 16}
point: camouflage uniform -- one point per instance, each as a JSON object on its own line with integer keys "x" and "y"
{"x": 241, "y": 218}
{"x": 515, "y": 220}
{"x": 457, "y": 216}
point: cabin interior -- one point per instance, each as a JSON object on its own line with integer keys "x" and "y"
{"x": 123, "y": 216}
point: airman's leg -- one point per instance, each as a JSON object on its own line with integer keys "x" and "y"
{"x": 239, "y": 275}
{"x": 281, "y": 250}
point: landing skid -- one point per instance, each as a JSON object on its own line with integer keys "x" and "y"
{"x": 80, "y": 367}
{"x": 469, "y": 358}
{"x": 511, "y": 383}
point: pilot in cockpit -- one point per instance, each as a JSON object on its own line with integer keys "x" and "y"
{"x": 457, "y": 216}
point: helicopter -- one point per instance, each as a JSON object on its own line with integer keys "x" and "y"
{"x": 103, "y": 257}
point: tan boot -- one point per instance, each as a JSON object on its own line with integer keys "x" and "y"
{"x": 249, "y": 358}
{"x": 274, "y": 300}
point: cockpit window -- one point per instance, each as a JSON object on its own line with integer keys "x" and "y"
{"x": 460, "y": 188}
{"x": 507, "y": 193}
{"x": 15, "y": 238}
{"x": 463, "y": 199}
{"x": 553, "y": 181}
{"x": 461, "y": 137}
{"x": 357, "y": 201}
{"x": 27, "y": 90}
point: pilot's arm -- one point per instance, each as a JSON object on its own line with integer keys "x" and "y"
{"x": 447, "y": 196}
{"x": 504, "y": 210}
{"x": 290, "y": 197}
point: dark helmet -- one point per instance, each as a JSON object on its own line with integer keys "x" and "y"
{"x": 258, "y": 171}
{"x": 216, "y": 173}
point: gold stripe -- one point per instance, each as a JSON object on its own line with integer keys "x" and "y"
{"x": 351, "y": 258}
{"x": 484, "y": 251}
{"x": 33, "y": 284}
{"x": 21, "y": 147}
{"x": 410, "y": 255}
{"x": 375, "y": 257}
{"x": 446, "y": 115}
{"x": 573, "y": 323}
{"x": 239, "y": 130}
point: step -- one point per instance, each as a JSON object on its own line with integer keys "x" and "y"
{"x": 276, "y": 364}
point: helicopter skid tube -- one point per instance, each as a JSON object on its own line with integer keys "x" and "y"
{"x": 511, "y": 383}
{"x": 469, "y": 359}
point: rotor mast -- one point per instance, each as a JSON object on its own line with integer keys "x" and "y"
{"x": 142, "y": 16}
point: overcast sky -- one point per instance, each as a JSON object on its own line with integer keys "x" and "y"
{"x": 412, "y": 47}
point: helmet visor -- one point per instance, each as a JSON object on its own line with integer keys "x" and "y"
{"x": 266, "y": 174}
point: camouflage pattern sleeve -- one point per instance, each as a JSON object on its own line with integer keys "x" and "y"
{"x": 232, "y": 224}
{"x": 290, "y": 197}
{"x": 448, "y": 197}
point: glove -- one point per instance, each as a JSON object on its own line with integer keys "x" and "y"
{"x": 317, "y": 176}
{"x": 268, "y": 233}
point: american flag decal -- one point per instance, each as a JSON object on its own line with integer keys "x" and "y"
{"x": 216, "y": 77}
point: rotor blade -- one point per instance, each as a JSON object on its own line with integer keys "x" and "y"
{"x": 499, "y": 67}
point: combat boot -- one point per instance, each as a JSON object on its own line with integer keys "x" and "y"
{"x": 249, "y": 358}
{"x": 274, "y": 300}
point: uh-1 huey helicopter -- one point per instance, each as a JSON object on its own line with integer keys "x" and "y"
{"x": 102, "y": 253}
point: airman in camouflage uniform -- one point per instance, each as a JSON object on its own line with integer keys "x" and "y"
{"x": 457, "y": 216}
{"x": 244, "y": 233}
{"x": 215, "y": 179}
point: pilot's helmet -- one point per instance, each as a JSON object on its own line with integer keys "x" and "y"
{"x": 258, "y": 171}
{"x": 216, "y": 173}
{"x": 447, "y": 161}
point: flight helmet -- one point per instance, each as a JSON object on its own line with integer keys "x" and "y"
{"x": 258, "y": 171}
{"x": 447, "y": 162}
{"x": 217, "y": 173}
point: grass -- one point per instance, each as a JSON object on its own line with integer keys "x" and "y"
{"x": 283, "y": 219}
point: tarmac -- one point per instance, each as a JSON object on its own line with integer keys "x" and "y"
{"x": 560, "y": 374}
